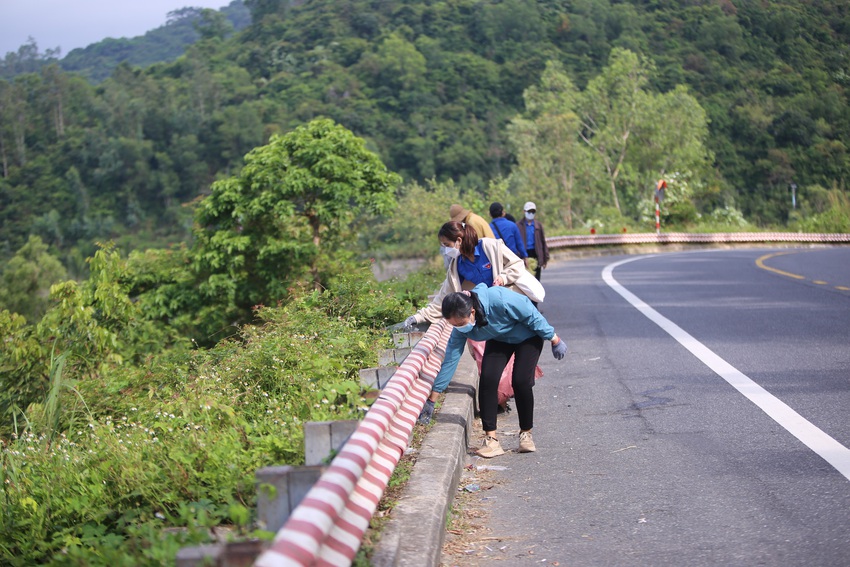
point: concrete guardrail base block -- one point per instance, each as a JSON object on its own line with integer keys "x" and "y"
{"x": 376, "y": 377}
{"x": 407, "y": 340}
{"x": 391, "y": 356}
{"x": 200, "y": 555}
{"x": 231, "y": 554}
{"x": 279, "y": 490}
{"x": 322, "y": 438}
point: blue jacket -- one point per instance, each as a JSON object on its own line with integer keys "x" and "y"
{"x": 509, "y": 233}
{"x": 511, "y": 317}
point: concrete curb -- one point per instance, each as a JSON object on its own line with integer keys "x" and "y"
{"x": 415, "y": 533}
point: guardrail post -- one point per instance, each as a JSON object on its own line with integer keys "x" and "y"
{"x": 280, "y": 489}
{"x": 322, "y": 438}
{"x": 406, "y": 340}
{"x": 390, "y": 356}
{"x": 230, "y": 554}
{"x": 379, "y": 376}
{"x": 200, "y": 555}
{"x": 376, "y": 377}
{"x": 241, "y": 553}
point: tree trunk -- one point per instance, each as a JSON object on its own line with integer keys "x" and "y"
{"x": 614, "y": 194}
{"x": 60, "y": 117}
{"x": 567, "y": 184}
{"x": 317, "y": 241}
{"x": 20, "y": 139}
{"x": 16, "y": 114}
{"x": 5, "y": 159}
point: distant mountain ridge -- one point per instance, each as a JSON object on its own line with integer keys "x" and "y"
{"x": 160, "y": 45}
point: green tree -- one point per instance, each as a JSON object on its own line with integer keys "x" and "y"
{"x": 425, "y": 207}
{"x": 550, "y": 156}
{"x": 23, "y": 366}
{"x": 26, "y": 280}
{"x": 164, "y": 286}
{"x": 96, "y": 322}
{"x": 628, "y": 132}
{"x": 213, "y": 25}
{"x": 402, "y": 66}
{"x": 673, "y": 135}
{"x": 611, "y": 109}
{"x": 289, "y": 211}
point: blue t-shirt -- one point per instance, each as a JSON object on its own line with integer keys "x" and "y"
{"x": 479, "y": 271}
{"x": 529, "y": 235}
{"x": 509, "y": 233}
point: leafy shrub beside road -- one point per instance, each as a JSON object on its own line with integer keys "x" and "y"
{"x": 147, "y": 458}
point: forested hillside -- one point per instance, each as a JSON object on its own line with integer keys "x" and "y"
{"x": 440, "y": 90}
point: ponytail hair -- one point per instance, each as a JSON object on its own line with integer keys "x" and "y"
{"x": 453, "y": 230}
{"x": 460, "y": 304}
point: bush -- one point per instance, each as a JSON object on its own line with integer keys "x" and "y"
{"x": 728, "y": 217}
{"x": 608, "y": 220}
{"x": 146, "y": 459}
{"x": 835, "y": 217}
{"x": 682, "y": 212}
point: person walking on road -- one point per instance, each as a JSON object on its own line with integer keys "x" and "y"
{"x": 511, "y": 326}
{"x": 506, "y": 230}
{"x": 533, "y": 238}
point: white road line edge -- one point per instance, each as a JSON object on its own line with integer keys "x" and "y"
{"x": 814, "y": 438}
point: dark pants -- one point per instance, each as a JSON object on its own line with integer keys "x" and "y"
{"x": 533, "y": 254}
{"x": 496, "y": 356}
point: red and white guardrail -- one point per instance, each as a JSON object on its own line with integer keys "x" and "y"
{"x": 693, "y": 238}
{"x": 326, "y": 528}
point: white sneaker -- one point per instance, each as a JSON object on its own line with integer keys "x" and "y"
{"x": 526, "y": 443}
{"x": 490, "y": 448}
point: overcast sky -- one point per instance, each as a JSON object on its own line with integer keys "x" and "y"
{"x": 69, "y": 24}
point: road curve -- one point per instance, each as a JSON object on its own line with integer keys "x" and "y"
{"x": 648, "y": 454}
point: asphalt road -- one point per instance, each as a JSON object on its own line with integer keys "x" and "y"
{"x": 647, "y": 452}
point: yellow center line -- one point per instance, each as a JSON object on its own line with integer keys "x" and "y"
{"x": 760, "y": 263}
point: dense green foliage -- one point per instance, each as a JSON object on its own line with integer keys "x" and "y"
{"x": 432, "y": 87}
{"x": 293, "y": 206}
{"x": 123, "y": 436}
{"x": 123, "y": 465}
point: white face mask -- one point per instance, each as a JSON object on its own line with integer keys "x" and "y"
{"x": 450, "y": 251}
{"x": 529, "y": 216}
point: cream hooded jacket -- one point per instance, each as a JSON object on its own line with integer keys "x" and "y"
{"x": 504, "y": 263}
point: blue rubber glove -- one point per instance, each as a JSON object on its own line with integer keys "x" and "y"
{"x": 410, "y": 322}
{"x": 426, "y": 413}
{"x": 559, "y": 350}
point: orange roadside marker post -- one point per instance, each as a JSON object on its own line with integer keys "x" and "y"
{"x": 660, "y": 186}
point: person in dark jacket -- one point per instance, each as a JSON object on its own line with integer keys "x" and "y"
{"x": 533, "y": 238}
{"x": 506, "y": 230}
